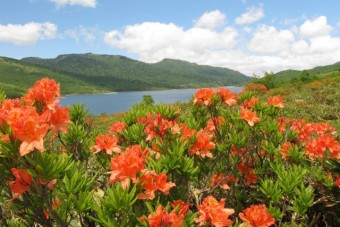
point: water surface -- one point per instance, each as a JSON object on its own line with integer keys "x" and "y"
{"x": 122, "y": 101}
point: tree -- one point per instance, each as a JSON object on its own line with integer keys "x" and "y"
{"x": 148, "y": 100}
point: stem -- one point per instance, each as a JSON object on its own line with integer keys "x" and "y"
{"x": 54, "y": 215}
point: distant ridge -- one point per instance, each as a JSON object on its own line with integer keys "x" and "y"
{"x": 120, "y": 73}
{"x": 287, "y": 75}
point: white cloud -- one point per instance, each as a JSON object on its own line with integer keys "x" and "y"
{"x": 27, "y": 34}
{"x": 315, "y": 28}
{"x": 81, "y": 33}
{"x": 247, "y": 49}
{"x": 211, "y": 20}
{"x": 252, "y": 15}
{"x": 154, "y": 41}
{"x": 324, "y": 44}
{"x": 85, "y": 3}
{"x": 267, "y": 39}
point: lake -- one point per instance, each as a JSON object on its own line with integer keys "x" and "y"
{"x": 112, "y": 103}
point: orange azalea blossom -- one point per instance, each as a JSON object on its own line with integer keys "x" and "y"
{"x": 204, "y": 96}
{"x": 118, "y": 127}
{"x": 249, "y": 116}
{"x": 107, "y": 143}
{"x": 227, "y": 96}
{"x": 337, "y": 181}
{"x": 180, "y": 206}
{"x": 247, "y": 173}
{"x": 256, "y": 216}
{"x": 306, "y": 131}
{"x": 45, "y": 91}
{"x": 237, "y": 151}
{"x": 213, "y": 211}
{"x": 222, "y": 180}
{"x": 152, "y": 182}
{"x": 284, "y": 150}
{"x": 49, "y": 185}
{"x": 9, "y": 104}
{"x": 203, "y": 145}
{"x": 58, "y": 119}
{"x": 250, "y": 103}
{"x": 23, "y": 181}
{"x": 55, "y": 204}
{"x": 186, "y": 132}
{"x": 127, "y": 165}
{"x": 276, "y": 101}
{"x": 161, "y": 217}
{"x": 256, "y": 87}
{"x": 316, "y": 148}
{"x": 30, "y": 131}
{"x": 158, "y": 126}
{"x": 213, "y": 123}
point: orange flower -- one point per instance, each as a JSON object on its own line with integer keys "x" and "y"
{"x": 247, "y": 173}
{"x": 222, "y": 180}
{"x": 127, "y": 165}
{"x": 212, "y": 123}
{"x": 203, "y": 145}
{"x": 152, "y": 182}
{"x": 158, "y": 126}
{"x": 58, "y": 119}
{"x": 250, "y": 103}
{"x": 249, "y": 116}
{"x": 162, "y": 218}
{"x": 316, "y": 148}
{"x": 118, "y": 127}
{"x": 22, "y": 182}
{"x": 204, "y": 96}
{"x": 55, "y": 204}
{"x": 256, "y": 87}
{"x": 257, "y": 216}
{"x": 284, "y": 150}
{"x": 107, "y": 143}
{"x": 227, "y": 96}
{"x": 276, "y": 101}
{"x": 187, "y": 133}
{"x": 30, "y": 131}
{"x": 45, "y": 91}
{"x": 337, "y": 181}
{"x": 213, "y": 211}
{"x": 181, "y": 206}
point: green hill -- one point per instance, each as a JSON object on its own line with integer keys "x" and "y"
{"x": 319, "y": 72}
{"x": 17, "y": 76}
{"x": 119, "y": 73}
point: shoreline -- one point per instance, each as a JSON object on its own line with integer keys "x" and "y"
{"x": 170, "y": 89}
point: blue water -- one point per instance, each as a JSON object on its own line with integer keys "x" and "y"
{"x": 122, "y": 101}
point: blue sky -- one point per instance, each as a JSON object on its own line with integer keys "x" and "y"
{"x": 247, "y": 35}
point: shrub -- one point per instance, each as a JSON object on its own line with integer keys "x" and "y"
{"x": 220, "y": 161}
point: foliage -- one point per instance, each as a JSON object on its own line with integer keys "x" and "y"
{"x": 223, "y": 159}
{"x": 267, "y": 80}
{"x": 120, "y": 73}
{"x": 17, "y": 76}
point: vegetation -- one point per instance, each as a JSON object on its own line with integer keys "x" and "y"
{"x": 17, "y": 76}
{"x": 222, "y": 159}
{"x": 120, "y": 73}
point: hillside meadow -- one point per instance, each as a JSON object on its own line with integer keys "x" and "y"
{"x": 258, "y": 158}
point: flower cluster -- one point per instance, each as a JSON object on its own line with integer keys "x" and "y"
{"x": 157, "y": 165}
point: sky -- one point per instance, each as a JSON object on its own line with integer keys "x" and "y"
{"x": 251, "y": 36}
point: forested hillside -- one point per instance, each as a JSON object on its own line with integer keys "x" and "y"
{"x": 17, "y": 76}
{"x": 121, "y": 73}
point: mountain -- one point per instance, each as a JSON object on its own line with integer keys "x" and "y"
{"x": 17, "y": 76}
{"x": 319, "y": 72}
{"x": 119, "y": 73}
